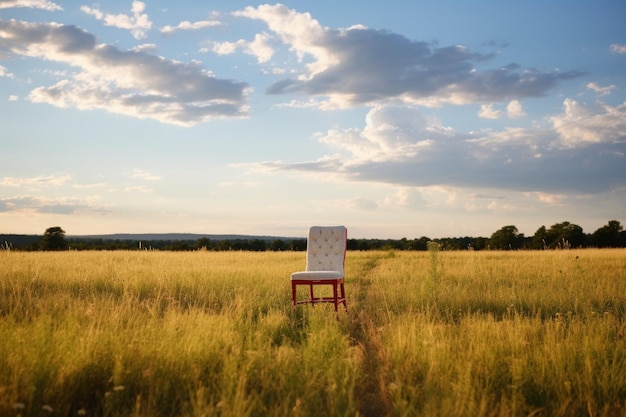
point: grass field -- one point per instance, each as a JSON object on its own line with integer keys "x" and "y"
{"x": 214, "y": 334}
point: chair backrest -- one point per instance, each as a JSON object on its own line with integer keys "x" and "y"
{"x": 326, "y": 248}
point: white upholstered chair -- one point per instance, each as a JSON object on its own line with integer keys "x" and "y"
{"x": 325, "y": 261}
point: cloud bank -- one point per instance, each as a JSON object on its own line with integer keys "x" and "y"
{"x": 582, "y": 151}
{"x": 134, "y": 83}
{"x": 357, "y": 66}
{"x": 32, "y": 4}
{"x": 138, "y": 22}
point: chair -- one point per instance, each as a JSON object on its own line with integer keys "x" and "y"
{"x": 325, "y": 261}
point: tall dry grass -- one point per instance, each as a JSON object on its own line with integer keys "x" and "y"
{"x": 503, "y": 333}
{"x": 204, "y": 333}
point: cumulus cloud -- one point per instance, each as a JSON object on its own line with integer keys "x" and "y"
{"x": 187, "y": 25}
{"x": 5, "y": 72}
{"x": 138, "y": 23}
{"x": 400, "y": 146}
{"x": 581, "y": 125}
{"x": 488, "y": 112}
{"x": 259, "y": 47}
{"x": 132, "y": 82}
{"x": 39, "y": 181}
{"x": 25, "y": 202}
{"x": 32, "y": 4}
{"x": 59, "y": 205}
{"x": 618, "y": 48}
{"x": 514, "y": 109}
{"x": 602, "y": 91}
{"x": 358, "y": 65}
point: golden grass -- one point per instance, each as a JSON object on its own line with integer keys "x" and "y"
{"x": 213, "y": 333}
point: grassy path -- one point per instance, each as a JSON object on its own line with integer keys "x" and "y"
{"x": 364, "y": 322}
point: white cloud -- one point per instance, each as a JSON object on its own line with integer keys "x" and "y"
{"x": 134, "y": 83}
{"x": 359, "y": 65}
{"x": 581, "y": 152}
{"x": 299, "y": 30}
{"x": 488, "y": 112}
{"x": 145, "y": 47}
{"x": 618, "y": 48}
{"x": 5, "y": 72}
{"x": 33, "y": 4}
{"x": 259, "y": 47}
{"x": 56, "y": 205}
{"x": 227, "y": 48}
{"x": 514, "y": 109}
{"x": 89, "y": 186}
{"x": 602, "y": 91}
{"x": 187, "y": 25}
{"x": 580, "y": 124}
{"x": 13, "y": 97}
{"x": 39, "y": 181}
{"x": 390, "y": 133}
{"x": 138, "y": 23}
{"x": 138, "y": 189}
{"x": 143, "y": 175}
{"x": 549, "y": 199}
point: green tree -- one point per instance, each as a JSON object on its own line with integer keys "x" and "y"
{"x": 507, "y": 237}
{"x": 299, "y": 245}
{"x": 539, "y": 239}
{"x": 565, "y": 235}
{"x": 53, "y": 239}
{"x": 203, "y": 242}
{"x": 608, "y": 236}
{"x": 277, "y": 245}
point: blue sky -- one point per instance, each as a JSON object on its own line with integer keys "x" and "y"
{"x": 403, "y": 119}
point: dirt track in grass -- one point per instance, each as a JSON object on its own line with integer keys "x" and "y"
{"x": 371, "y": 393}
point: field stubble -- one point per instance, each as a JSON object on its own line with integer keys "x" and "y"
{"x": 213, "y": 333}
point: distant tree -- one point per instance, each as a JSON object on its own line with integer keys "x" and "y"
{"x": 53, "y": 239}
{"x": 297, "y": 245}
{"x": 277, "y": 245}
{"x": 507, "y": 237}
{"x": 421, "y": 243}
{"x": 363, "y": 244}
{"x": 608, "y": 236}
{"x": 479, "y": 243}
{"x": 256, "y": 245}
{"x": 203, "y": 242}
{"x": 539, "y": 239}
{"x": 565, "y": 235}
{"x": 179, "y": 245}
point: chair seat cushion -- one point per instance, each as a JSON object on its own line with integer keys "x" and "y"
{"x": 314, "y": 275}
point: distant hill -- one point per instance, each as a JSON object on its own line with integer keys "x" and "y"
{"x": 22, "y": 241}
{"x": 18, "y": 241}
{"x": 177, "y": 237}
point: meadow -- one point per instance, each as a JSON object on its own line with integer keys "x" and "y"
{"x": 474, "y": 333}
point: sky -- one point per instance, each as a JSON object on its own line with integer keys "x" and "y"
{"x": 395, "y": 119}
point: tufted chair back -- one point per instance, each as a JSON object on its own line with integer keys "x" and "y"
{"x": 326, "y": 248}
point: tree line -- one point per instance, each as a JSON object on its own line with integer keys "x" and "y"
{"x": 564, "y": 235}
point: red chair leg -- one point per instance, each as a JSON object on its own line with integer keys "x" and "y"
{"x": 343, "y": 296}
